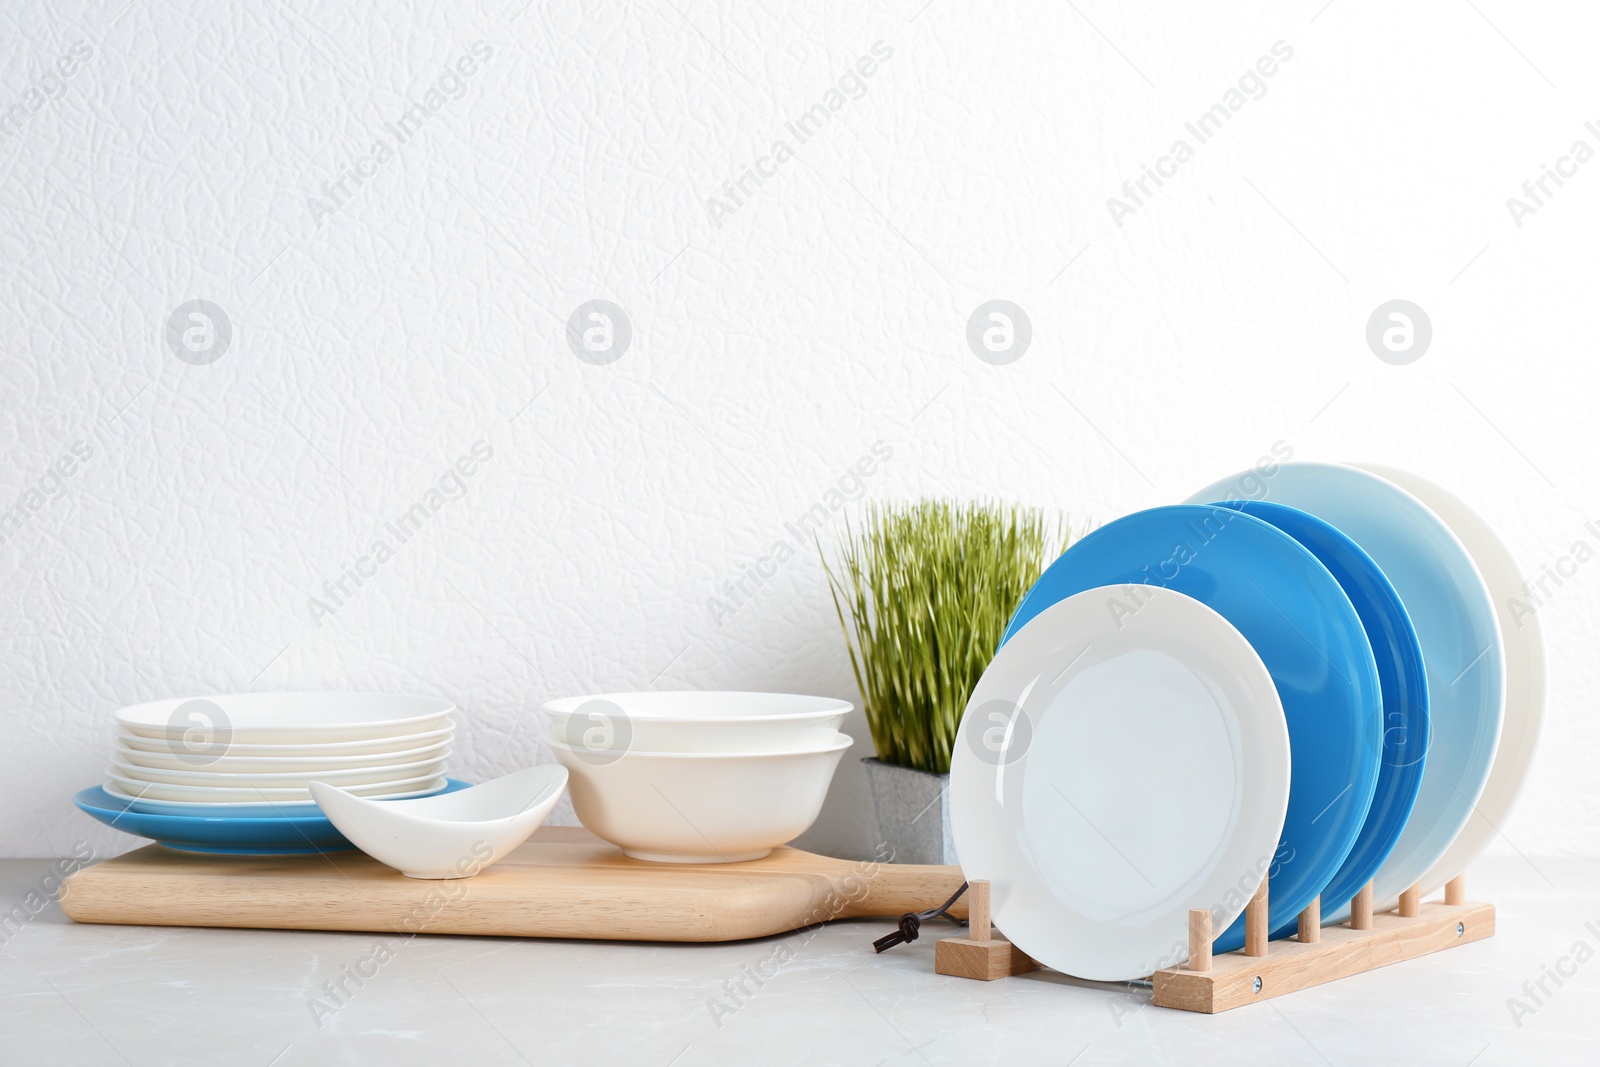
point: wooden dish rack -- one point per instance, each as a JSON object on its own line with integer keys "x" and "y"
{"x": 1263, "y": 969}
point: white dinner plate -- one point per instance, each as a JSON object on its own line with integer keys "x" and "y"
{"x": 1123, "y": 759}
{"x": 173, "y": 797}
{"x": 1525, "y": 671}
{"x": 201, "y": 749}
{"x": 1455, "y": 622}
{"x": 169, "y": 761}
{"x": 293, "y": 780}
{"x": 285, "y": 718}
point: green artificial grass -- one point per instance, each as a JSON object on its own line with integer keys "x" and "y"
{"x": 929, "y": 587}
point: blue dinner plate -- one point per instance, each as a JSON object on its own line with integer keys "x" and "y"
{"x": 225, "y": 836}
{"x": 1401, "y": 676}
{"x": 1456, "y": 624}
{"x": 1306, "y": 631}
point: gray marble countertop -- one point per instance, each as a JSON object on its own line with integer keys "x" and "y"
{"x": 86, "y": 995}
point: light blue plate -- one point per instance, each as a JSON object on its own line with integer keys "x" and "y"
{"x": 298, "y": 834}
{"x": 1455, "y": 622}
{"x": 1305, "y": 630}
{"x": 1401, "y": 676}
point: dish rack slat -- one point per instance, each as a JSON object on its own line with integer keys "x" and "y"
{"x": 1262, "y": 970}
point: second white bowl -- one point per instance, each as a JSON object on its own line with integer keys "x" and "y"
{"x": 697, "y": 722}
{"x": 678, "y": 807}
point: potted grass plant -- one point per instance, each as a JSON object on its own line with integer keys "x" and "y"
{"x": 924, "y": 591}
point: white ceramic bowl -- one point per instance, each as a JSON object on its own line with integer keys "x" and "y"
{"x": 680, "y": 807}
{"x": 291, "y": 780}
{"x": 310, "y": 765}
{"x": 285, "y": 718}
{"x": 453, "y": 835}
{"x": 202, "y": 796}
{"x": 319, "y": 750}
{"x": 697, "y": 722}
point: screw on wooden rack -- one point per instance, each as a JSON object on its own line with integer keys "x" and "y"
{"x": 1311, "y": 923}
{"x": 1361, "y": 909}
{"x": 1411, "y": 902}
{"x": 1215, "y": 982}
{"x": 1255, "y": 923}
{"x": 1200, "y": 939}
{"x": 1455, "y": 890}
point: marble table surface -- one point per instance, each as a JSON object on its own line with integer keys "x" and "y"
{"x": 88, "y": 995}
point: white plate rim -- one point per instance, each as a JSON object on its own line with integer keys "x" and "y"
{"x": 114, "y": 788}
{"x": 202, "y": 779}
{"x": 315, "y": 764}
{"x": 152, "y": 718}
{"x": 315, "y": 748}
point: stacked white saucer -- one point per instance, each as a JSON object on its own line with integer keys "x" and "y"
{"x": 257, "y": 753}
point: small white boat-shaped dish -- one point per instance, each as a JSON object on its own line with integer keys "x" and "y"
{"x": 450, "y": 835}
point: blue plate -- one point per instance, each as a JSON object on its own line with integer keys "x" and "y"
{"x": 1305, "y": 630}
{"x": 1401, "y": 676}
{"x": 224, "y": 836}
{"x": 1456, "y": 625}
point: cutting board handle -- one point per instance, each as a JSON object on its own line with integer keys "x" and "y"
{"x": 892, "y": 889}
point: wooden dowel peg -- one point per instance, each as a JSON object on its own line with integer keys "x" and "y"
{"x": 1200, "y": 939}
{"x": 1361, "y": 909}
{"x": 978, "y": 909}
{"x": 1455, "y": 890}
{"x": 1411, "y": 902}
{"x": 1255, "y": 923}
{"x": 980, "y": 954}
{"x": 1311, "y": 923}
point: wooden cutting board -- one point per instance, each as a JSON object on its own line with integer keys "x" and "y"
{"x": 563, "y": 882}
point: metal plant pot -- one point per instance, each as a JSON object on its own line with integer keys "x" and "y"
{"x": 913, "y": 812}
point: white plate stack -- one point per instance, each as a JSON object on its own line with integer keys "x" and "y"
{"x": 255, "y": 754}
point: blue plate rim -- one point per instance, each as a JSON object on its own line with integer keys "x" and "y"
{"x": 1364, "y": 859}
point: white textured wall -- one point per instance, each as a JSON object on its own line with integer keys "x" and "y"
{"x": 381, "y": 332}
